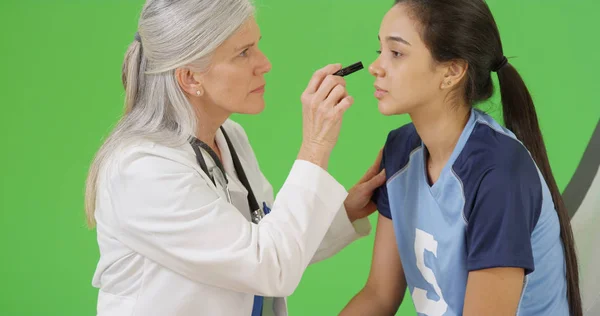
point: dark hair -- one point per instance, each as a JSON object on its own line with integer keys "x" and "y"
{"x": 466, "y": 30}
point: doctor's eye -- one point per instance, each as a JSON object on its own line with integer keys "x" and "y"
{"x": 244, "y": 53}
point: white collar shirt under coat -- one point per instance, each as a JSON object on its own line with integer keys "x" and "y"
{"x": 171, "y": 244}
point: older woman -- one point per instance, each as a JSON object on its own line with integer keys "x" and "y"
{"x": 187, "y": 224}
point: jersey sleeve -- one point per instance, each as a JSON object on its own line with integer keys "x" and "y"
{"x": 380, "y": 195}
{"x": 505, "y": 211}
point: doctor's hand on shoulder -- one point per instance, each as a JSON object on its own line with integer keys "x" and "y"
{"x": 358, "y": 204}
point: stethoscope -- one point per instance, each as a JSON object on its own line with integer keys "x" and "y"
{"x": 256, "y": 213}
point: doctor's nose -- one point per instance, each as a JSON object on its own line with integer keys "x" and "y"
{"x": 264, "y": 65}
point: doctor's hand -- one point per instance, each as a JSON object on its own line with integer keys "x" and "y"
{"x": 358, "y": 203}
{"x": 324, "y": 102}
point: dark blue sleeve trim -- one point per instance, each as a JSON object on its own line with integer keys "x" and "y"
{"x": 396, "y": 154}
{"x": 380, "y": 195}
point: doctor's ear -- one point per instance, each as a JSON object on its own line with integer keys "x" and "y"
{"x": 190, "y": 82}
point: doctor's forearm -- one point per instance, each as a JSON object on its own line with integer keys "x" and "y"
{"x": 340, "y": 234}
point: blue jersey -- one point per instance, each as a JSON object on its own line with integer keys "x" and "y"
{"x": 489, "y": 208}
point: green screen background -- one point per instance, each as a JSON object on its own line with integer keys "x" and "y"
{"x": 61, "y": 94}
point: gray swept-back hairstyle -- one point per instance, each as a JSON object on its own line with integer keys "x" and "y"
{"x": 171, "y": 34}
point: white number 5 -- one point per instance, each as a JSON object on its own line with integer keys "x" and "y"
{"x": 423, "y": 305}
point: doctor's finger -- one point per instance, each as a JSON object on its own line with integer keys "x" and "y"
{"x": 335, "y": 96}
{"x": 327, "y": 86}
{"x": 344, "y": 105}
{"x": 376, "y": 181}
{"x": 319, "y": 76}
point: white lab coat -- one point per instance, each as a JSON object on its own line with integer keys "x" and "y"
{"x": 171, "y": 244}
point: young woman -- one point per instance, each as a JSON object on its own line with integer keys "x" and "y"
{"x": 471, "y": 219}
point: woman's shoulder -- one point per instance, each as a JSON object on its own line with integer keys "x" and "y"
{"x": 399, "y": 146}
{"x": 405, "y": 135}
{"x": 492, "y": 146}
{"x": 493, "y": 154}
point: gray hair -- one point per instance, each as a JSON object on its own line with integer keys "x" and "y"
{"x": 171, "y": 34}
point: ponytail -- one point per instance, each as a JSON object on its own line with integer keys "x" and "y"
{"x": 520, "y": 117}
{"x": 133, "y": 72}
{"x": 132, "y": 76}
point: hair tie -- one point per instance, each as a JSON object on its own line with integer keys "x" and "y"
{"x": 137, "y": 37}
{"x": 501, "y": 64}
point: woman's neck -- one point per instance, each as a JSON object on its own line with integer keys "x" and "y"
{"x": 440, "y": 130}
{"x": 208, "y": 123}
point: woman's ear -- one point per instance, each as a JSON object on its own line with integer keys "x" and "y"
{"x": 454, "y": 73}
{"x": 190, "y": 82}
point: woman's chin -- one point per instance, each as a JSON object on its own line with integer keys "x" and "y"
{"x": 385, "y": 108}
{"x": 388, "y": 108}
{"x": 253, "y": 107}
